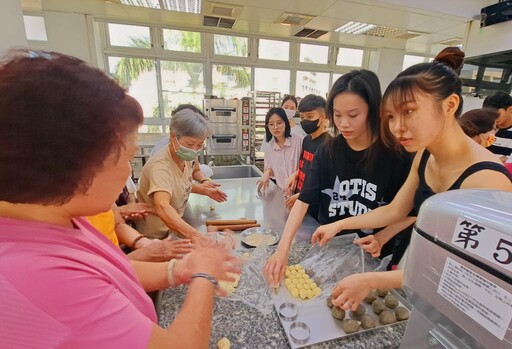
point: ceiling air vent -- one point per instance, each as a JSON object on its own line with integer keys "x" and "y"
{"x": 409, "y": 35}
{"x": 310, "y": 33}
{"x": 293, "y": 19}
{"x": 219, "y": 22}
{"x": 221, "y": 10}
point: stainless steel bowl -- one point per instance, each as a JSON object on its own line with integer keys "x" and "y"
{"x": 255, "y": 237}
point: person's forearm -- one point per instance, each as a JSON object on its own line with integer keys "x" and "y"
{"x": 292, "y": 224}
{"x": 378, "y": 218}
{"x": 127, "y": 234}
{"x": 392, "y": 230}
{"x": 197, "y": 310}
{"x": 174, "y": 222}
{"x": 198, "y": 189}
{"x": 386, "y": 279}
{"x": 152, "y": 276}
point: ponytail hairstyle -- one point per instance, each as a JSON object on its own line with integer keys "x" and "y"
{"x": 437, "y": 79}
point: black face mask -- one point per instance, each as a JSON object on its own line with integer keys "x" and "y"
{"x": 310, "y": 126}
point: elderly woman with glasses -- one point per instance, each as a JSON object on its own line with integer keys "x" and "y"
{"x": 283, "y": 150}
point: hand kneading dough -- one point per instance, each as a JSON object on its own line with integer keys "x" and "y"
{"x": 229, "y": 287}
{"x": 299, "y": 283}
{"x": 224, "y": 343}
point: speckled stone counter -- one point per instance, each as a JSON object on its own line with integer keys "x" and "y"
{"x": 247, "y": 328}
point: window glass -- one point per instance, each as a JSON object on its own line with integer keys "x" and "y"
{"x": 312, "y": 82}
{"x": 231, "y": 81}
{"x": 227, "y": 45}
{"x": 335, "y": 76}
{"x": 184, "y": 41}
{"x": 410, "y": 60}
{"x": 275, "y": 80}
{"x": 314, "y": 54}
{"x": 35, "y": 28}
{"x": 272, "y": 49}
{"x": 138, "y": 75}
{"x": 350, "y": 57}
{"x": 182, "y": 83}
{"x": 129, "y": 35}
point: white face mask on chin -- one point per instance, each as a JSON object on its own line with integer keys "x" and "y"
{"x": 290, "y": 113}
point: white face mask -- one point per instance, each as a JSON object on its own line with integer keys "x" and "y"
{"x": 290, "y": 113}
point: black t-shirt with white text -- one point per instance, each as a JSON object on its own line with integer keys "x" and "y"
{"x": 343, "y": 186}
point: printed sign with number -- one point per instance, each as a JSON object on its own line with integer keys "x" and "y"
{"x": 484, "y": 242}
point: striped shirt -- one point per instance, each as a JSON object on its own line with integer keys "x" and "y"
{"x": 503, "y": 143}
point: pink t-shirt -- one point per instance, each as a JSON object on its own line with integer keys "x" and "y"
{"x": 283, "y": 161}
{"x": 68, "y": 288}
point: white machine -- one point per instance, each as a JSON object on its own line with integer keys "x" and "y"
{"x": 459, "y": 272}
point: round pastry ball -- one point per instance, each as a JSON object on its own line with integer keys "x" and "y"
{"x": 359, "y": 311}
{"x": 368, "y": 321}
{"x": 382, "y": 292}
{"x": 329, "y": 302}
{"x": 387, "y": 317}
{"x": 391, "y": 301}
{"x": 372, "y": 295}
{"x": 338, "y": 313}
{"x": 378, "y": 306}
{"x": 401, "y": 313}
{"x": 350, "y": 326}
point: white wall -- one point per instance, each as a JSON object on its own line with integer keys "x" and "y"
{"x": 471, "y": 102}
{"x": 386, "y": 63}
{"x": 486, "y": 40}
{"x": 12, "y": 28}
{"x": 67, "y": 33}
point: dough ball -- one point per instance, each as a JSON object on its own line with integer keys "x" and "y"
{"x": 367, "y": 322}
{"x": 387, "y": 317}
{"x": 372, "y": 295}
{"x": 401, "y": 313}
{"x": 359, "y": 311}
{"x": 382, "y": 292}
{"x": 338, "y": 313}
{"x": 224, "y": 343}
{"x": 303, "y": 293}
{"x": 350, "y": 326}
{"x": 391, "y": 301}
{"x": 329, "y": 301}
{"x": 378, "y": 306}
{"x": 295, "y": 292}
{"x": 317, "y": 291}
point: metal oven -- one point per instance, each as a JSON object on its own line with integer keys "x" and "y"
{"x": 458, "y": 274}
{"x": 231, "y": 124}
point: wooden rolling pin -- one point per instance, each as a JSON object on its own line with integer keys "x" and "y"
{"x": 231, "y": 222}
{"x": 237, "y": 226}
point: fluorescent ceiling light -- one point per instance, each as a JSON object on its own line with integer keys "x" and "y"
{"x": 189, "y": 6}
{"x": 355, "y": 28}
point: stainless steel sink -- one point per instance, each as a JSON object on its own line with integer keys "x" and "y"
{"x": 237, "y": 171}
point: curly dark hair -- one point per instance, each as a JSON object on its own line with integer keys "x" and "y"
{"x": 59, "y": 120}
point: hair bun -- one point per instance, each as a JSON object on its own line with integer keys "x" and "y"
{"x": 451, "y": 56}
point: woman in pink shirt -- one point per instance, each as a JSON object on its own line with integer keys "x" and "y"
{"x": 67, "y": 134}
{"x": 283, "y": 150}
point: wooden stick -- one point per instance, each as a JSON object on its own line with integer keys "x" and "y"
{"x": 237, "y": 226}
{"x": 231, "y": 222}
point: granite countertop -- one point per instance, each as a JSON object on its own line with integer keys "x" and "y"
{"x": 247, "y": 328}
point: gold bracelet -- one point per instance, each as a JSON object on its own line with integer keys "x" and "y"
{"x": 204, "y": 180}
{"x": 136, "y": 240}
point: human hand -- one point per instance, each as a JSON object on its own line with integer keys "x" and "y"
{"x": 350, "y": 291}
{"x": 370, "y": 244}
{"x": 214, "y": 260}
{"x": 288, "y": 203}
{"x": 215, "y": 193}
{"x": 263, "y": 183}
{"x": 275, "y": 267}
{"x": 162, "y": 251}
{"x": 209, "y": 184}
{"x": 141, "y": 243}
{"x": 324, "y": 233}
{"x": 134, "y": 211}
{"x": 289, "y": 187}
